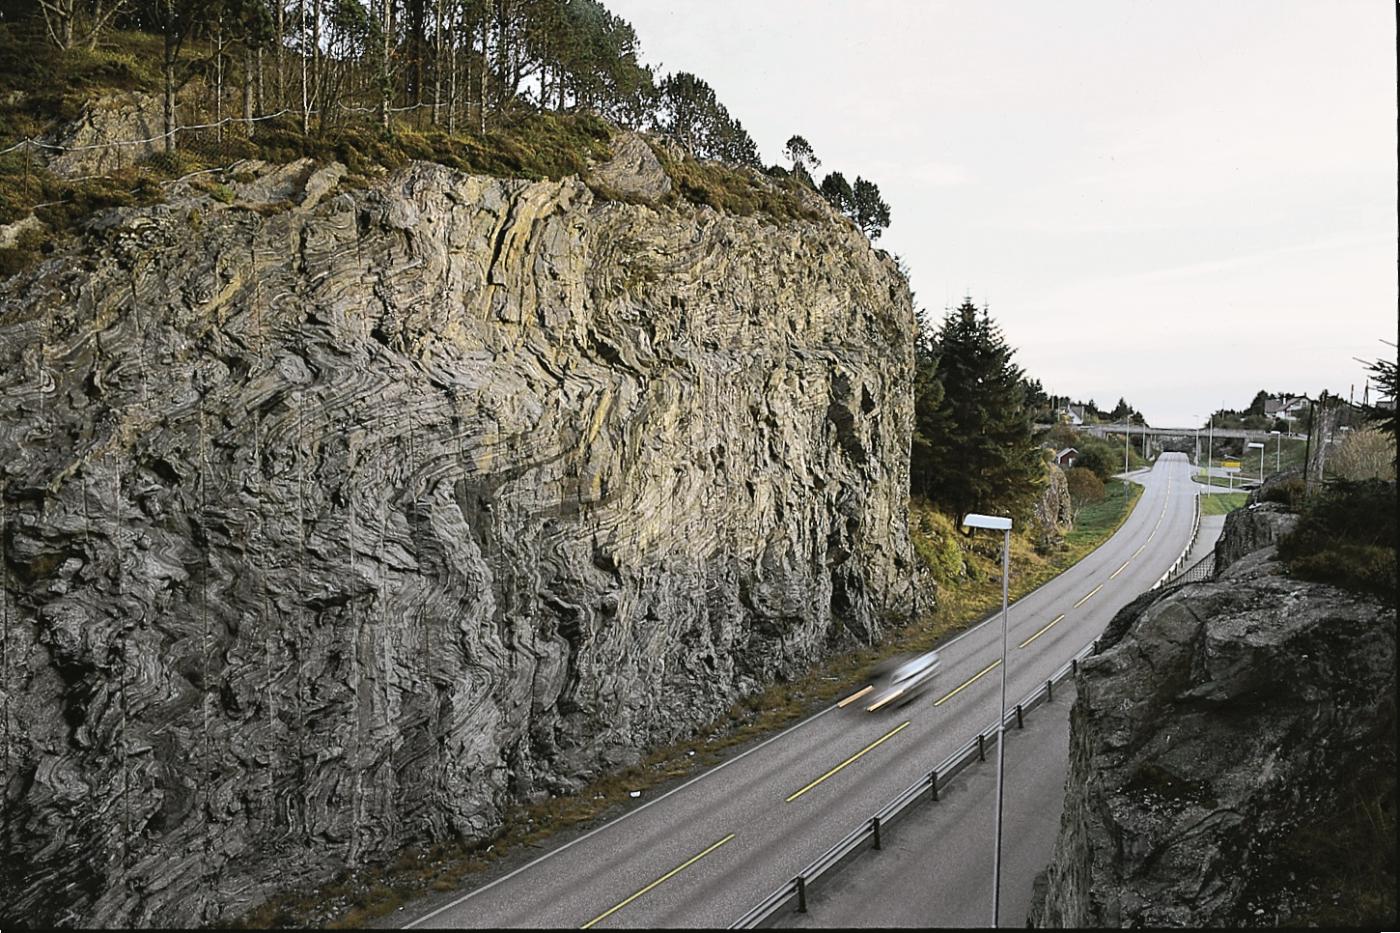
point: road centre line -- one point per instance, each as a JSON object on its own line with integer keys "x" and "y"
{"x": 1121, "y": 569}
{"x": 1086, "y": 597}
{"x": 1042, "y": 631}
{"x": 888, "y": 735}
{"x": 670, "y": 874}
{"x": 984, "y": 670}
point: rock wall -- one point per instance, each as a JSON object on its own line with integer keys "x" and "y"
{"x": 333, "y": 526}
{"x": 1218, "y": 718}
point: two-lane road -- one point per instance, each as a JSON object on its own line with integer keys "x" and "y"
{"x": 704, "y": 853}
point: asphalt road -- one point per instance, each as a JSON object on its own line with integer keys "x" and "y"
{"x": 704, "y": 853}
{"x": 934, "y": 868}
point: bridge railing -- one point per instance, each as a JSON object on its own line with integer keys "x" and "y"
{"x": 867, "y": 836}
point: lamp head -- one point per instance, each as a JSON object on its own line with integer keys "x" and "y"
{"x": 992, "y": 522}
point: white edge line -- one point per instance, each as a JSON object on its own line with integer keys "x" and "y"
{"x": 614, "y": 822}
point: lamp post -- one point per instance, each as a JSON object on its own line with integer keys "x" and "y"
{"x": 994, "y": 523}
{"x": 1197, "y": 456}
{"x": 1278, "y": 451}
{"x": 1127, "y": 439}
{"x": 1210, "y": 444}
{"x": 1250, "y": 446}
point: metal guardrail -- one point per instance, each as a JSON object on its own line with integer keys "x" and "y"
{"x": 1181, "y": 560}
{"x": 1200, "y": 571}
{"x": 793, "y": 894}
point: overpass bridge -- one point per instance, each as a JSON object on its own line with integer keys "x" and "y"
{"x": 1137, "y": 430}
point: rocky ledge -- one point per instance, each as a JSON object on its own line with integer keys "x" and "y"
{"x": 332, "y": 520}
{"x": 1217, "y": 719}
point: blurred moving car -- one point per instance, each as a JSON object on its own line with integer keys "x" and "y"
{"x": 900, "y": 680}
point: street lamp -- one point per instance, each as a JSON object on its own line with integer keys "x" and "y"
{"x": 994, "y": 523}
{"x": 1250, "y": 446}
{"x": 1196, "y": 419}
{"x": 1278, "y": 451}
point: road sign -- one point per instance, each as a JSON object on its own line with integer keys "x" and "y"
{"x": 1229, "y": 464}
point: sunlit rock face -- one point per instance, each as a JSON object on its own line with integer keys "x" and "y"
{"x": 346, "y": 522}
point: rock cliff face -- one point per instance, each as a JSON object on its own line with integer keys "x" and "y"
{"x": 331, "y": 526}
{"x": 1218, "y": 718}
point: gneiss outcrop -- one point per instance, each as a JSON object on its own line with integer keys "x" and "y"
{"x": 1218, "y": 722}
{"x": 346, "y": 519}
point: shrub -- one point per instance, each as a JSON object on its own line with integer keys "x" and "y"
{"x": 1084, "y": 486}
{"x": 1346, "y": 535}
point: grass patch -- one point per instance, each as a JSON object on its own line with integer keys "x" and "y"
{"x": 735, "y": 189}
{"x": 1221, "y": 503}
{"x": 1096, "y": 521}
{"x": 971, "y": 590}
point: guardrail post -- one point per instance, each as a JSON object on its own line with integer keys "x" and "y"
{"x": 981, "y": 749}
{"x": 933, "y": 783}
{"x": 801, "y": 894}
{"x": 1050, "y": 691}
{"x": 1019, "y": 723}
{"x": 1074, "y": 665}
{"x": 875, "y": 828}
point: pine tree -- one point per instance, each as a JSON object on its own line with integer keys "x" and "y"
{"x": 973, "y": 447}
{"x": 871, "y": 213}
{"x": 837, "y": 191}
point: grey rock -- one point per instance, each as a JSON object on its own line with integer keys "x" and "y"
{"x": 1220, "y": 718}
{"x": 633, "y": 172}
{"x": 1251, "y": 529}
{"x": 112, "y": 132}
{"x": 329, "y": 530}
{"x": 1053, "y": 514}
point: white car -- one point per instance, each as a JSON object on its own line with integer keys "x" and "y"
{"x": 900, "y": 680}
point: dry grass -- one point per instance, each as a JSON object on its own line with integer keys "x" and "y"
{"x": 363, "y": 898}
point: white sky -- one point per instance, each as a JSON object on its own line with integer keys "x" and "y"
{"x": 1177, "y": 201}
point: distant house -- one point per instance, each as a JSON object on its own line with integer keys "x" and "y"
{"x": 1065, "y": 458}
{"x": 1073, "y": 414}
{"x": 1286, "y": 407}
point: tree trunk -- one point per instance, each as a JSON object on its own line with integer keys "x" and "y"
{"x": 305, "y": 53}
{"x": 248, "y": 89}
{"x": 437, "y": 66}
{"x": 168, "y": 72}
{"x": 318, "y": 77}
{"x": 219, "y": 78}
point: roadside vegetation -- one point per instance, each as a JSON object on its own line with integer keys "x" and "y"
{"x": 1222, "y": 503}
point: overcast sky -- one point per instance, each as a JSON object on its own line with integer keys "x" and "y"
{"x": 1176, "y": 201}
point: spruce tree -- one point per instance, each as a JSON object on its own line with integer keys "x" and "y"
{"x": 973, "y": 447}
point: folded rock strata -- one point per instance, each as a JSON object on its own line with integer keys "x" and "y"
{"x": 339, "y": 527}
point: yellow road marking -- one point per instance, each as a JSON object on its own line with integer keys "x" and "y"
{"x": 879, "y": 741}
{"x": 1121, "y": 569}
{"x": 670, "y": 874}
{"x": 984, "y": 670}
{"x": 855, "y": 696}
{"x": 1042, "y": 631}
{"x": 1086, "y": 598}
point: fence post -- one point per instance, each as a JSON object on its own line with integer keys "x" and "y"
{"x": 933, "y": 782}
{"x": 1050, "y": 691}
{"x": 981, "y": 750}
{"x": 1019, "y": 723}
{"x": 801, "y": 894}
{"x": 875, "y": 828}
